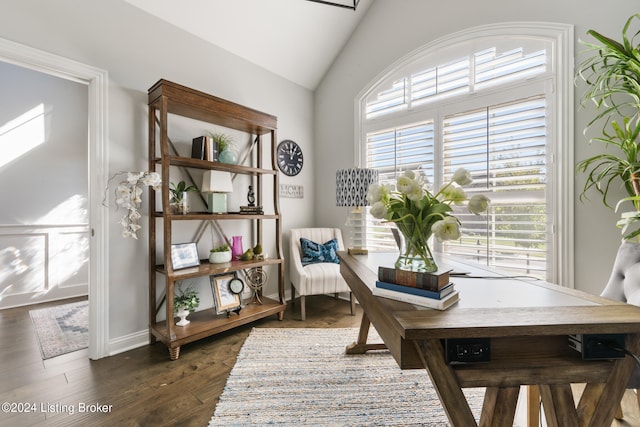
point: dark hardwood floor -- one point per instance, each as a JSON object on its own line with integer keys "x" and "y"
{"x": 142, "y": 387}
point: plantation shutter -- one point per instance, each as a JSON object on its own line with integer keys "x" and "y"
{"x": 481, "y": 70}
{"x": 391, "y": 152}
{"x": 504, "y": 147}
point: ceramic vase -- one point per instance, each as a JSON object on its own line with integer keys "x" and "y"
{"x": 182, "y": 314}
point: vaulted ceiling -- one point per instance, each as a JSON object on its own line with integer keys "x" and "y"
{"x": 296, "y": 39}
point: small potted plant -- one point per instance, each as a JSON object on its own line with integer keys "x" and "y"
{"x": 179, "y": 196}
{"x": 226, "y": 148}
{"x": 220, "y": 254}
{"x": 185, "y": 302}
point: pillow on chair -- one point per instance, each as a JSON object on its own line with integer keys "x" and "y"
{"x": 313, "y": 252}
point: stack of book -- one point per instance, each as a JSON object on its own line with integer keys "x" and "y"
{"x": 204, "y": 148}
{"x": 251, "y": 210}
{"x": 433, "y": 290}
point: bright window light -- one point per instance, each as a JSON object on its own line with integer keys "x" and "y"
{"x": 21, "y": 134}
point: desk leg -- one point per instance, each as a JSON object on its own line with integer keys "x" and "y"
{"x": 559, "y": 406}
{"x": 446, "y": 383}
{"x": 533, "y": 406}
{"x": 361, "y": 346}
{"x": 599, "y": 402}
{"x": 499, "y": 407}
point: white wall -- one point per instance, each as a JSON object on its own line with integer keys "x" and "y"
{"x": 392, "y": 29}
{"x": 137, "y": 50}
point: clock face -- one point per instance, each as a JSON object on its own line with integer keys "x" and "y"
{"x": 289, "y": 157}
{"x": 236, "y": 286}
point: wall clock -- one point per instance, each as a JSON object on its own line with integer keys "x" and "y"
{"x": 289, "y": 157}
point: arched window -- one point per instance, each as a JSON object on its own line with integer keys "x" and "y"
{"x": 497, "y": 100}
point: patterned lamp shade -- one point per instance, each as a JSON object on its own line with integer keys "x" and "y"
{"x": 352, "y": 186}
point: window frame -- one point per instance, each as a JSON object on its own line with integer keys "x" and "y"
{"x": 560, "y": 123}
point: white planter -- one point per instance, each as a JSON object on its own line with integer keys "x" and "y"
{"x": 219, "y": 257}
{"x": 182, "y": 314}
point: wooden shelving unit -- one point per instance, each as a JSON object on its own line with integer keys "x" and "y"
{"x": 167, "y": 98}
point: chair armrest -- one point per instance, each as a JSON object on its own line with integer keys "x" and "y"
{"x": 297, "y": 274}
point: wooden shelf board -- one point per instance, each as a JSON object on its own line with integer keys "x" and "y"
{"x": 207, "y": 269}
{"x": 206, "y": 216}
{"x": 206, "y": 322}
{"x": 206, "y": 164}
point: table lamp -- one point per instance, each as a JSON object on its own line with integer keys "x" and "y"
{"x": 216, "y": 185}
{"x": 351, "y": 190}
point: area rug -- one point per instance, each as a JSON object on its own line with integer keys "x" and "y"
{"x": 302, "y": 377}
{"x": 62, "y": 328}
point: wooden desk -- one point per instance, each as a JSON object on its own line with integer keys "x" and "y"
{"x": 527, "y": 323}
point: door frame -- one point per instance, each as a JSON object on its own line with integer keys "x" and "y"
{"x": 97, "y": 81}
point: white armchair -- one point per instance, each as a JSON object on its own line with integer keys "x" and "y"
{"x": 318, "y": 278}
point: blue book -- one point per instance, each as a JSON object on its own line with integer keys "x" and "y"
{"x": 417, "y": 291}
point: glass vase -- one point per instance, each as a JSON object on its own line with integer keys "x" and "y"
{"x": 180, "y": 205}
{"x": 236, "y": 247}
{"x": 415, "y": 254}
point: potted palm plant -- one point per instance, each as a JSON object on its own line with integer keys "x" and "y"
{"x": 612, "y": 75}
{"x": 226, "y": 147}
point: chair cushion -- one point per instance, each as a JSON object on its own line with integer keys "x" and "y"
{"x": 313, "y": 252}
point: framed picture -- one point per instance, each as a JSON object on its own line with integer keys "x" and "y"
{"x": 184, "y": 255}
{"x": 224, "y": 299}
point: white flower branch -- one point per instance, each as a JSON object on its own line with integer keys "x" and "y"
{"x": 128, "y": 195}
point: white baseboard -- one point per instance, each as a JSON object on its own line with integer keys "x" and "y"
{"x": 128, "y": 342}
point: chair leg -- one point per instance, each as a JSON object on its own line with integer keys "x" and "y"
{"x": 293, "y": 293}
{"x": 353, "y": 306}
{"x": 303, "y": 314}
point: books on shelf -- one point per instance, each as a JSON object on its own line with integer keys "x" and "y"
{"x": 198, "y": 150}
{"x": 430, "y": 281}
{"x": 204, "y": 148}
{"x": 438, "y": 304}
{"x": 255, "y": 210}
{"x": 442, "y": 293}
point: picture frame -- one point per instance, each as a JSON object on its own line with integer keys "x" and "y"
{"x": 184, "y": 255}
{"x": 224, "y": 300}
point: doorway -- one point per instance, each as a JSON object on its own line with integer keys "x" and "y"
{"x": 83, "y": 237}
{"x": 44, "y": 226}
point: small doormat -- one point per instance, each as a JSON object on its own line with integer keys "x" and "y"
{"x": 62, "y": 328}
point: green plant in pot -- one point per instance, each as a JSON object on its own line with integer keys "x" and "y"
{"x": 220, "y": 254}
{"x": 179, "y": 196}
{"x": 612, "y": 75}
{"x": 226, "y": 147}
{"x": 184, "y": 302}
